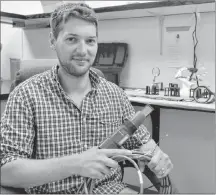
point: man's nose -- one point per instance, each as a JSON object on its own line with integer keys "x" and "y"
{"x": 81, "y": 48}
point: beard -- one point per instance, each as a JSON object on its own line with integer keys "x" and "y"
{"x": 76, "y": 69}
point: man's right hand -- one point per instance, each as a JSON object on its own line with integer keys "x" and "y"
{"x": 96, "y": 163}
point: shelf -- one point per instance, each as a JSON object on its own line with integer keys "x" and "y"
{"x": 135, "y": 10}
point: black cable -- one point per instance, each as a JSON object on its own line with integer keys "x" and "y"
{"x": 195, "y": 57}
{"x": 170, "y": 185}
{"x": 169, "y": 188}
{"x": 167, "y": 183}
{"x": 194, "y": 52}
{"x": 195, "y": 41}
{"x": 163, "y": 184}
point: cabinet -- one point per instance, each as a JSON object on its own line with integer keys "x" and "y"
{"x": 191, "y": 146}
{"x": 188, "y": 137}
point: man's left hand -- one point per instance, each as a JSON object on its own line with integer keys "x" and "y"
{"x": 160, "y": 162}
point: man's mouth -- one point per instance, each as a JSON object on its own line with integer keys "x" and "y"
{"x": 80, "y": 59}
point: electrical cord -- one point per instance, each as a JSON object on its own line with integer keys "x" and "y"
{"x": 84, "y": 186}
{"x": 86, "y": 191}
{"x": 195, "y": 41}
{"x": 136, "y": 167}
{"x": 165, "y": 186}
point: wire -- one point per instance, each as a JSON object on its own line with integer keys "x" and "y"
{"x": 80, "y": 187}
{"x": 165, "y": 183}
{"x": 170, "y": 185}
{"x": 137, "y": 168}
{"x": 89, "y": 183}
{"x": 92, "y": 184}
{"x": 195, "y": 57}
{"x": 85, "y": 188}
{"x": 195, "y": 41}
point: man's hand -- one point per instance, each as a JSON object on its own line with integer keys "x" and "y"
{"x": 96, "y": 163}
{"x": 160, "y": 162}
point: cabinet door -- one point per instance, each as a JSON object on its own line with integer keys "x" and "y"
{"x": 191, "y": 147}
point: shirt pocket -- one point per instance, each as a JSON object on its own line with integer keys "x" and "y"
{"x": 102, "y": 125}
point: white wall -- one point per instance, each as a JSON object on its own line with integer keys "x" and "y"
{"x": 22, "y": 7}
{"x": 11, "y": 39}
{"x": 142, "y": 35}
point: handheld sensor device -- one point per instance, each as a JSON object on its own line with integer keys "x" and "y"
{"x": 126, "y": 130}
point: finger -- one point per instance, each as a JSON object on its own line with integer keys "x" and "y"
{"x": 118, "y": 158}
{"x": 159, "y": 169}
{"x": 168, "y": 170}
{"x": 165, "y": 158}
{"x": 104, "y": 169}
{"x": 165, "y": 164}
{"x": 165, "y": 170}
{"x": 97, "y": 175}
{"x": 162, "y": 173}
{"x": 141, "y": 157}
{"x": 110, "y": 162}
{"x": 155, "y": 160}
{"x": 114, "y": 152}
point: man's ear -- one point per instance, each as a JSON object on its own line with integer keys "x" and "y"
{"x": 52, "y": 41}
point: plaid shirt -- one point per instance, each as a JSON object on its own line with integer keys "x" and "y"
{"x": 40, "y": 122}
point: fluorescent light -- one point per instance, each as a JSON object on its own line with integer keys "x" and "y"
{"x": 97, "y": 4}
{"x": 35, "y": 7}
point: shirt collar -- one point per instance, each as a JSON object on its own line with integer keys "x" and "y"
{"x": 94, "y": 77}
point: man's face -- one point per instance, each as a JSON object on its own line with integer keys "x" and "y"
{"x": 76, "y": 46}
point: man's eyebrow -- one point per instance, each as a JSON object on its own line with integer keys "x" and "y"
{"x": 75, "y": 35}
{"x": 94, "y": 37}
{"x": 72, "y": 34}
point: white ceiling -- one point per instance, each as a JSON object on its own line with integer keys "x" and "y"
{"x": 36, "y": 7}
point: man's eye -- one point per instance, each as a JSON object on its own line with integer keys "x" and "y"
{"x": 91, "y": 41}
{"x": 71, "y": 39}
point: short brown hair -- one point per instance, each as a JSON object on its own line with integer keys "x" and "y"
{"x": 63, "y": 12}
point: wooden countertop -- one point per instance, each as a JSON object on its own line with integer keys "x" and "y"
{"x": 138, "y": 96}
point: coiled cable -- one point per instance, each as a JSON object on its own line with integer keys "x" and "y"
{"x": 165, "y": 185}
{"x": 88, "y": 185}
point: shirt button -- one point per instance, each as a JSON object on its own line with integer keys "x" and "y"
{"x": 85, "y": 146}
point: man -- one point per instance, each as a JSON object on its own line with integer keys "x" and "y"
{"x": 54, "y": 121}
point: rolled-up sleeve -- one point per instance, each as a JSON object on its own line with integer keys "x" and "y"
{"x": 142, "y": 135}
{"x": 17, "y": 130}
